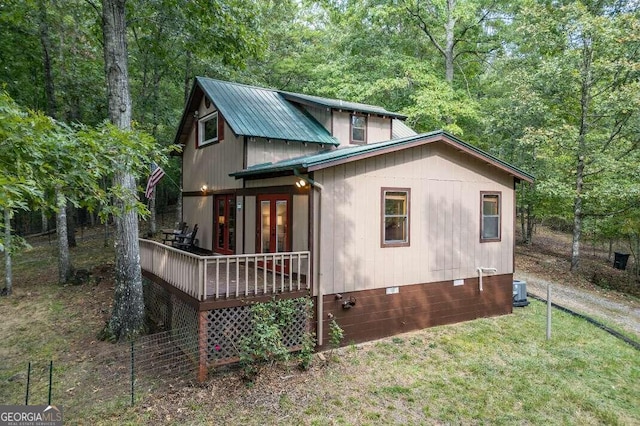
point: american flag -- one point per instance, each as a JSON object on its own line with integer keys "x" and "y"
{"x": 156, "y": 174}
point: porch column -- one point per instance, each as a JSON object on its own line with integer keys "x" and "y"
{"x": 202, "y": 347}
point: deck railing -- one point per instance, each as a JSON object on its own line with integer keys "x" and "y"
{"x": 220, "y": 276}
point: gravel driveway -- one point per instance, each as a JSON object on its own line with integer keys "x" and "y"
{"x": 600, "y": 305}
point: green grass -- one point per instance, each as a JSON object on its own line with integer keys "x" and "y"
{"x": 498, "y": 370}
{"x": 490, "y": 371}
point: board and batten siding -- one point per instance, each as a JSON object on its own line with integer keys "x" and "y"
{"x": 444, "y": 216}
{"x": 211, "y": 164}
{"x": 378, "y": 128}
{"x": 260, "y": 150}
{"x": 321, "y": 114}
{"x": 199, "y": 210}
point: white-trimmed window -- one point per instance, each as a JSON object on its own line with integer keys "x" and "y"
{"x": 358, "y": 129}
{"x": 490, "y": 211}
{"x": 208, "y": 130}
{"x": 395, "y": 217}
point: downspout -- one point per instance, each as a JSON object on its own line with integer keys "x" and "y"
{"x": 320, "y": 304}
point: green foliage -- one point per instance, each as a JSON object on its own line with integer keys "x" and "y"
{"x": 265, "y": 344}
{"x": 336, "y": 334}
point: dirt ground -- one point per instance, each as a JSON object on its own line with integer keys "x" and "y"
{"x": 546, "y": 263}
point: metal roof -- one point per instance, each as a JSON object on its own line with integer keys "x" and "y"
{"x": 263, "y": 113}
{"x": 342, "y": 105}
{"x": 400, "y": 130}
{"x": 342, "y": 155}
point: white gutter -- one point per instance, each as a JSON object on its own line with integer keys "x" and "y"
{"x": 319, "y": 304}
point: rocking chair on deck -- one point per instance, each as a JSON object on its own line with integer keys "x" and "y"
{"x": 186, "y": 241}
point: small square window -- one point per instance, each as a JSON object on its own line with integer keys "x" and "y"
{"x": 490, "y": 212}
{"x": 395, "y": 217}
{"x": 208, "y": 130}
{"x": 358, "y": 129}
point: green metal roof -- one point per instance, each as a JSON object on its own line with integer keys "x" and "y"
{"x": 338, "y": 156}
{"x": 343, "y": 105}
{"x": 263, "y": 113}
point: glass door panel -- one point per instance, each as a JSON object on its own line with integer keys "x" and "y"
{"x": 273, "y": 228}
{"x": 281, "y": 226}
{"x": 225, "y": 224}
{"x": 265, "y": 226}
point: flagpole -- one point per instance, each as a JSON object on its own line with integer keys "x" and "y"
{"x": 173, "y": 182}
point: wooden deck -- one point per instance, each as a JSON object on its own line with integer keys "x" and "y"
{"x": 224, "y": 277}
{"x": 248, "y": 278}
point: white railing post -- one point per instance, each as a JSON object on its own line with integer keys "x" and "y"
{"x": 190, "y": 272}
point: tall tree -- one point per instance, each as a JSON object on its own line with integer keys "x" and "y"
{"x": 127, "y": 318}
{"x": 455, "y": 28}
{"x": 578, "y": 65}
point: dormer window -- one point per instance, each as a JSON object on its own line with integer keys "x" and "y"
{"x": 208, "y": 130}
{"x": 358, "y": 129}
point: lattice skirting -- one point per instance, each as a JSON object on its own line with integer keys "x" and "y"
{"x": 225, "y": 327}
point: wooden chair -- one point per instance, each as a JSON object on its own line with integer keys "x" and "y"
{"x": 170, "y": 235}
{"x": 186, "y": 241}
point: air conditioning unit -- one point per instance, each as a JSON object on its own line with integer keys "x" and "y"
{"x": 520, "y": 293}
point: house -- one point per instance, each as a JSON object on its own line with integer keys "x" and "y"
{"x": 388, "y": 230}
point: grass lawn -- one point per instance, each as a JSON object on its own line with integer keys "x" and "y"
{"x": 489, "y": 371}
{"x": 493, "y": 371}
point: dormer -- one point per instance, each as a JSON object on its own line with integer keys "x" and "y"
{"x": 352, "y": 123}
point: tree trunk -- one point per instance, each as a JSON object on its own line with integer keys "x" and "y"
{"x": 64, "y": 259}
{"x": 45, "y": 221}
{"x": 530, "y": 223}
{"x": 152, "y": 210}
{"x": 179, "y": 207}
{"x": 449, "y": 27}
{"x": 187, "y": 76}
{"x": 127, "y": 318}
{"x": 46, "y": 60}
{"x": 585, "y": 100}
{"x": 8, "y": 275}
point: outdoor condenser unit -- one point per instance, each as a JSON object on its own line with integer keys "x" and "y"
{"x": 520, "y": 293}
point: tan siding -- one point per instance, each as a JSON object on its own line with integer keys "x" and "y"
{"x": 444, "y": 220}
{"x": 341, "y": 129}
{"x": 212, "y": 164}
{"x": 378, "y": 129}
{"x": 261, "y": 150}
{"x": 239, "y": 224}
{"x": 300, "y": 225}
{"x": 321, "y": 114}
{"x": 250, "y": 224}
{"x": 199, "y": 210}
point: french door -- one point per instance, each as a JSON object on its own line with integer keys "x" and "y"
{"x": 273, "y": 225}
{"x": 225, "y": 224}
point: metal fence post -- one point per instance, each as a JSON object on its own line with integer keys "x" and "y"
{"x": 50, "y": 380}
{"x": 26, "y": 400}
{"x": 132, "y": 375}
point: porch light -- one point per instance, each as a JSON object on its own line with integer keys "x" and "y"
{"x": 204, "y": 188}
{"x": 301, "y": 183}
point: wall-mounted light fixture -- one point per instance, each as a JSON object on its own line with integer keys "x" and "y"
{"x": 349, "y": 303}
{"x": 304, "y": 180}
{"x": 204, "y": 188}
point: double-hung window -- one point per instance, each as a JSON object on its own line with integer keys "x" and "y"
{"x": 490, "y": 216}
{"x": 208, "y": 129}
{"x": 395, "y": 217}
{"x": 358, "y": 129}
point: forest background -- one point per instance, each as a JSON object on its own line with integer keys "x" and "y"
{"x": 552, "y": 87}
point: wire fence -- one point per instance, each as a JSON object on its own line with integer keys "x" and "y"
{"x": 103, "y": 378}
